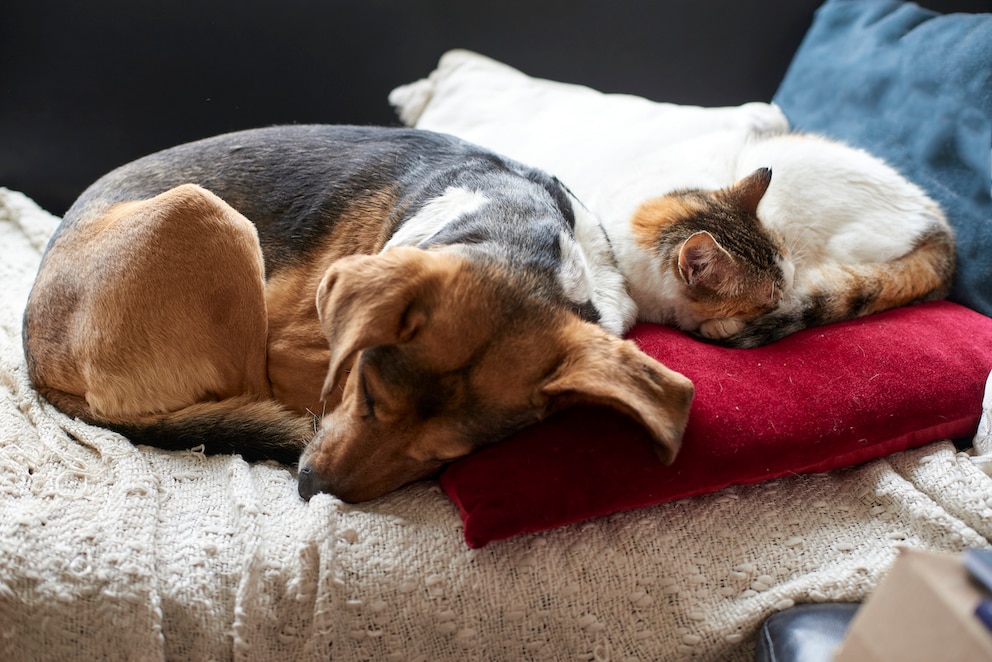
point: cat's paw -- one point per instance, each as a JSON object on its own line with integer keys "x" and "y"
{"x": 720, "y": 328}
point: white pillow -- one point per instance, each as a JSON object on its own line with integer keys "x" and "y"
{"x": 613, "y": 150}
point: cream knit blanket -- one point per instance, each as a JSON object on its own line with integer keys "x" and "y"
{"x": 108, "y": 551}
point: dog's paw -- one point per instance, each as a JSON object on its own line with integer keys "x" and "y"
{"x": 720, "y": 328}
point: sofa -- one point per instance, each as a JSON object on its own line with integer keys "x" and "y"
{"x": 808, "y": 464}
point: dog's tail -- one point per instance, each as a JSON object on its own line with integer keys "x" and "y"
{"x": 255, "y": 429}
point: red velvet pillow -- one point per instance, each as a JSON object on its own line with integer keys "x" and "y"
{"x": 821, "y": 399}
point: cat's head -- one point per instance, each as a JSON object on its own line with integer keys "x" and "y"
{"x": 726, "y": 264}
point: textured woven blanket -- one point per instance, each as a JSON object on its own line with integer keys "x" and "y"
{"x": 108, "y": 551}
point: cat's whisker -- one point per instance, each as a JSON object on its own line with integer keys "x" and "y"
{"x": 799, "y": 249}
{"x": 800, "y": 236}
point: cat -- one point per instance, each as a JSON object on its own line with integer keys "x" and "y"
{"x": 763, "y": 235}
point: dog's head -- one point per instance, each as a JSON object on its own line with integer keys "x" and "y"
{"x": 434, "y": 355}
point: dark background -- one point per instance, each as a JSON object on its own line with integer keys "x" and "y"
{"x": 88, "y": 86}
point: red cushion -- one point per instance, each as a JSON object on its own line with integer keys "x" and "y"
{"x": 821, "y": 399}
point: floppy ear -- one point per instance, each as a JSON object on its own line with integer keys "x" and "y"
{"x": 599, "y": 368}
{"x": 370, "y": 300}
{"x": 703, "y": 262}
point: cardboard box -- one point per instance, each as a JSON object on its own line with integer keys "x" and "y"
{"x": 922, "y": 611}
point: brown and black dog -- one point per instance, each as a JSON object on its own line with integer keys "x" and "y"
{"x": 381, "y": 300}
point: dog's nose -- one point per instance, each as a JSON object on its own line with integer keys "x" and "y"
{"x": 310, "y": 483}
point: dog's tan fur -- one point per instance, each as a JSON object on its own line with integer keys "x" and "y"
{"x": 160, "y": 311}
{"x": 298, "y": 351}
{"x": 163, "y": 342}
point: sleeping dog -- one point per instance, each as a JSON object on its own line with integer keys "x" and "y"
{"x": 382, "y": 300}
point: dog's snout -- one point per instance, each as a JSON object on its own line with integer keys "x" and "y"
{"x": 310, "y": 483}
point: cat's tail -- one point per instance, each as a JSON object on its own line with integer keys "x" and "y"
{"x": 846, "y": 291}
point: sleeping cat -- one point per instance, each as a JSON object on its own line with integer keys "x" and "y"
{"x": 762, "y": 236}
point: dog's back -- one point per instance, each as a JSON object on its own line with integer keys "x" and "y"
{"x": 297, "y": 183}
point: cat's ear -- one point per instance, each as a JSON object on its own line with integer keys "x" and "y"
{"x": 703, "y": 262}
{"x": 747, "y": 192}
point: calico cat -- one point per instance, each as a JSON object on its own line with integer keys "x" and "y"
{"x": 766, "y": 235}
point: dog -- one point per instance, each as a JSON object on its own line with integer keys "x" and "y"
{"x": 374, "y": 302}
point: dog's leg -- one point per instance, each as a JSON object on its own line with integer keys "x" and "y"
{"x": 154, "y": 306}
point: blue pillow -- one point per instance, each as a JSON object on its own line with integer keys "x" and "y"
{"x": 915, "y": 88}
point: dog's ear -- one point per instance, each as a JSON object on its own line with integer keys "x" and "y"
{"x": 599, "y": 368}
{"x": 370, "y": 300}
